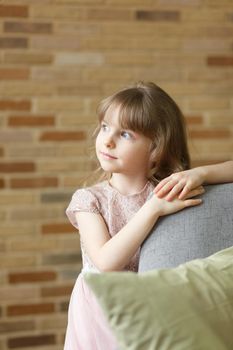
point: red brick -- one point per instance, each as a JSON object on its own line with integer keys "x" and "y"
{"x": 22, "y": 105}
{"x": 30, "y": 309}
{"x": 13, "y": 11}
{"x": 30, "y": 121}
{"x": 32, "y": 277}
{"x": 40, "y": 182}
{"x": 14, "y": 73}
{"x": 23, "y": 167}
{"x": 31, "y": 341}
{"x": 157, "y": 15}
{"x": 13, "y": 43}
{"x": 209, "y": 134}
{"x": 63, "y": 136}
{"x": 220, "y": 61}
{"x": 57, "y": 228}
{"x": 2, "y": 183}
{"x": 25, "y": 27}
{"x": 194, "y": 119}
{"x": 56, "y": 291}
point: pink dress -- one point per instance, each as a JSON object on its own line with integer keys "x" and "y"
{"x": 87, "y": 327}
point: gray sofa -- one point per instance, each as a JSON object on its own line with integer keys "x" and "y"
{"x": 193, "y": 233}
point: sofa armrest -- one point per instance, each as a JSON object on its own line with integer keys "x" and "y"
{"x": 195, "y": 232}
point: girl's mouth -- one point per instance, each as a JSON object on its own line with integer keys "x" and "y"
{"x": 108, "y": 156}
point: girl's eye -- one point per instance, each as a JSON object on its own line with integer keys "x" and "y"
{"x": 104, "y": 127}
{"x": 126, "y": 135}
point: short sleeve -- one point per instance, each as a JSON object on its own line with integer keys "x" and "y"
{"x": 83, "y": 200}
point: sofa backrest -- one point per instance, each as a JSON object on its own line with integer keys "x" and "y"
{"x": 192, "y": 233}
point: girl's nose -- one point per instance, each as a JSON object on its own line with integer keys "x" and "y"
{"x": 109, "y": 142}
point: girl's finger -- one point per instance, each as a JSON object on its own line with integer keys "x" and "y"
{"x": 166, "y": 188}
{"x": 184, "y": 192}
{"x": 192, "y": 202}
{"x": 196, "y": 192}
{"x": 175, "y": 190}
{"x": 161, "y": 184}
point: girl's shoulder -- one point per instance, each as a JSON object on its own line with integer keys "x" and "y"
{"x": 87, "y": 199}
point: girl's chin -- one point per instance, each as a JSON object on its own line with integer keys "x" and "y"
{"x": 108, "y": 168}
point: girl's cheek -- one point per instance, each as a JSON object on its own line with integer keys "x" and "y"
{"x": 97, "y": 141}
{"x": 98, "y": 137}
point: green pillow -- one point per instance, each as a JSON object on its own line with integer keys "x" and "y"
{"x": 186, "y": 308}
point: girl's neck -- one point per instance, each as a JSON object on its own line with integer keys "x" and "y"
{"x": 127, "y": 185}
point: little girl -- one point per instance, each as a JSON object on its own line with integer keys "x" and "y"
{"x": 140, "y": 143}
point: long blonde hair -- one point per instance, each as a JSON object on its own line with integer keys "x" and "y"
{"x": 148, "y": 109}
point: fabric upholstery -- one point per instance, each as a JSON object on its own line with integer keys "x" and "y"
{"x": 195, "y": 232}
{"x": 189, "y": 307}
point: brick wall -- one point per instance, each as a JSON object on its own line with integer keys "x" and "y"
{"x": 58, "y": 58}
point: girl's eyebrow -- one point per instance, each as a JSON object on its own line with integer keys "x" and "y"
{"x": 129, "y": 130}
{"x": 121, "y": 128}
{"x": 104, "y": 121}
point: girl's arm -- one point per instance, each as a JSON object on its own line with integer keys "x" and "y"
{"x": 183, "y": 182}
{"x": 113, "y": 253}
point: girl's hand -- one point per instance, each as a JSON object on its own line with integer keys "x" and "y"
{"x": 165, "y": 207}
{"x": 180, "y": 184}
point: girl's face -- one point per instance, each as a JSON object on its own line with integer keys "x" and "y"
{"x": 122, "y": 151}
